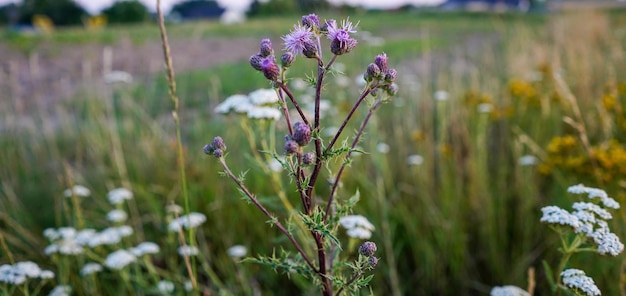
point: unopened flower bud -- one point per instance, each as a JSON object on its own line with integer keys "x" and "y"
{"x": 381, "y": 62}
{"x": 270, "y": 69}
{"x": 287, "y": 59}
{"x": 218, "y": 153}
{"x": 373, "y": 72}
{"x": 301, "y": 133}
{"x": 291, "y": 147}
{"x": 255, "y": 61}
{"x": 391, "y": 75}
{"x": 342, "y": 43}
{"x": 367, "y": 249}
{"x": 309, "y": 50}
{"x": 218, "y": 143}
{"x": 308, "y": 158}
{"x": 311, "y": 21}
{"x": 373, "y": 261}
{"x": 392, "y": 89}
{"x": 207, "y": 149}
{"x": 266, "y": 48}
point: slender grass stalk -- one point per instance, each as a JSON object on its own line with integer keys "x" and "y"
{"x": 171, "y": 81}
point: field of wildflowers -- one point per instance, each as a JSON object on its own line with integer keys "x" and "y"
{"x": 494, "y": 165}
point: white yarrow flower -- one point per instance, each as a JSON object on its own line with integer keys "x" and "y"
{"x": 237, "y": 251}
{"x": 382, "y": 148}
{"x": 78, "y": 190}
{"x": 119, "y": 259}
{"x": 357, "y": 226}
{"x": 187, "y": 251}
{"x": 63, "y": 290}
{"x": 117, "y": 216}
{"x": 556, "y": 215}
{"x": 263, "y": 96}
{"x": 441, "y": 95}
{"x": 46, "y": 274}
{"x": 415, "y": 159}
{"x": 187, "y": 221}
{"x": 269, "y": 113}
{"x": 165, "y": 287}
{"x": 90, "y": 268}
{"x": 485, "y": 108}
{"x": 594, "y": 193}
{"x": 145, "y": 248}
{"x": 508, "y": 291}
{"x": 527, "y": 160}
{"x": 119, "y": 195}
{"x": 576, "y": 279}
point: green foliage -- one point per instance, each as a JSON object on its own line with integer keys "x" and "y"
{"x": 128, "y": 11}
{"x": 273, "y": 8}
{"x": 61, "y": 12}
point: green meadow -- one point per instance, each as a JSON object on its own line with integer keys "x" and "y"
{"x": 496, "y": 116}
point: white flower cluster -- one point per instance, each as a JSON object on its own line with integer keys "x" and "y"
{"x": 69, "y": 241}
{"x": 77, "y": 190}
{"x": 119, "y": 259}
{"x": 259, "y": 104}
{"x": 187, "y": 251}
{"x": 357, "y": 226}
{"x": 589, "y": 219}
{"x": 119, "y": 195}
{"x": 165, "y": 287}
{"x": 20, "y": 272}
{"x": 63, "y": 290}
{"x": 90, "y": 268}
{"x": 508, "y": 291}
{"x": 237, "y": 251}
{"x": 187, "y": 221}
{"x": 576, "y": 279}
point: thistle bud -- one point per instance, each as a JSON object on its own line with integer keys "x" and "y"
{"x": 367, "y": 249}
{"x": 287, "y": 59}
{"x": 301, "y": 133}
{"x": 266, "y": 48}
{"x": 373, "y": 261}
{"x": 216, "y": 148}
{"x": 218, "y": 153}
{"x": 391, "y": 75}
{"x": 270, "y": 69}
{"x": 392, "y": 89}
{"x": 342, "y": 43}
{"x": 308, "y": 158}
{"x": 255, "y": 61}
{"x": 218, "y": 143}
{"x": 373, "y": 72}
{"x": 309, "y": 50}
{"x": 291, "y": 147}
{"x": 381, "y": 62}
{"x": 311, "y": 21}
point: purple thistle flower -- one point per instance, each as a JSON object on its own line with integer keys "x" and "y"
{"x": 346, "y": 27}
{"x": 311, "y": 21}
{"x": 391, "y": 75}
{"x": 373, "y": 72}
{"x": 373, "y": 261}
{"x": 266, "y": 48}
{"x": 270, "y": 69}
{"x": 327, "y": 24}
{"x": 341, "y": 41}
{"x": 255, "y": 61}
{"x": 218, "y": 143}
{"x": 308, "y": 158}
{"x": 367, "y": 249}
{"x": 381, "y": 62}
{"x": 298, "y": 39}
{"x": 287, "y": 59}
{"x": 291, "y": 147}
{"x": 301, "y": 133}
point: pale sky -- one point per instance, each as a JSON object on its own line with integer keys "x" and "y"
{"x": 94, "y": 6}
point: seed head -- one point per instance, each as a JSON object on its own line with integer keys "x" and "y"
{"x": 266, "y": 49}
{"x": 367, "y": 249}
{"x": 255, "y": 61}
{"x": 270, "y": 69}
{"x": 301, "y": 133}
{"x": 287, "y": 59}
{"x": 308, "y": 158}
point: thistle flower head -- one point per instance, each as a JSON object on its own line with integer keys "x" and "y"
{"x": 291, "y": 146}
{"x": 390, "y": 75}
{"x": 373, "y": 261}
{"x": 297, "y": 39}
{"x": 255, "y": 61}
{"x": 266, "y": 49}
{"x": 381, "y": 62}
{"x": 341, "y": 41}
{"x": 367, "y": 249}
{"x": 270, "y": 69}
{"x": 301, "y": 133}
{"x": 373, "y": 72}
{"x": 311, "y": 21}
{"x": 287, "y": 59}
{"x": 308, "y": 158}
{"x": 216, "y": 148}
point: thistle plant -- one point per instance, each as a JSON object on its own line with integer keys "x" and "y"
{"x": 585, "y": 229}
{"x": 305, "y": 152}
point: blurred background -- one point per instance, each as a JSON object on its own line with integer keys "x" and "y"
{"x": 483, "y": 133}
